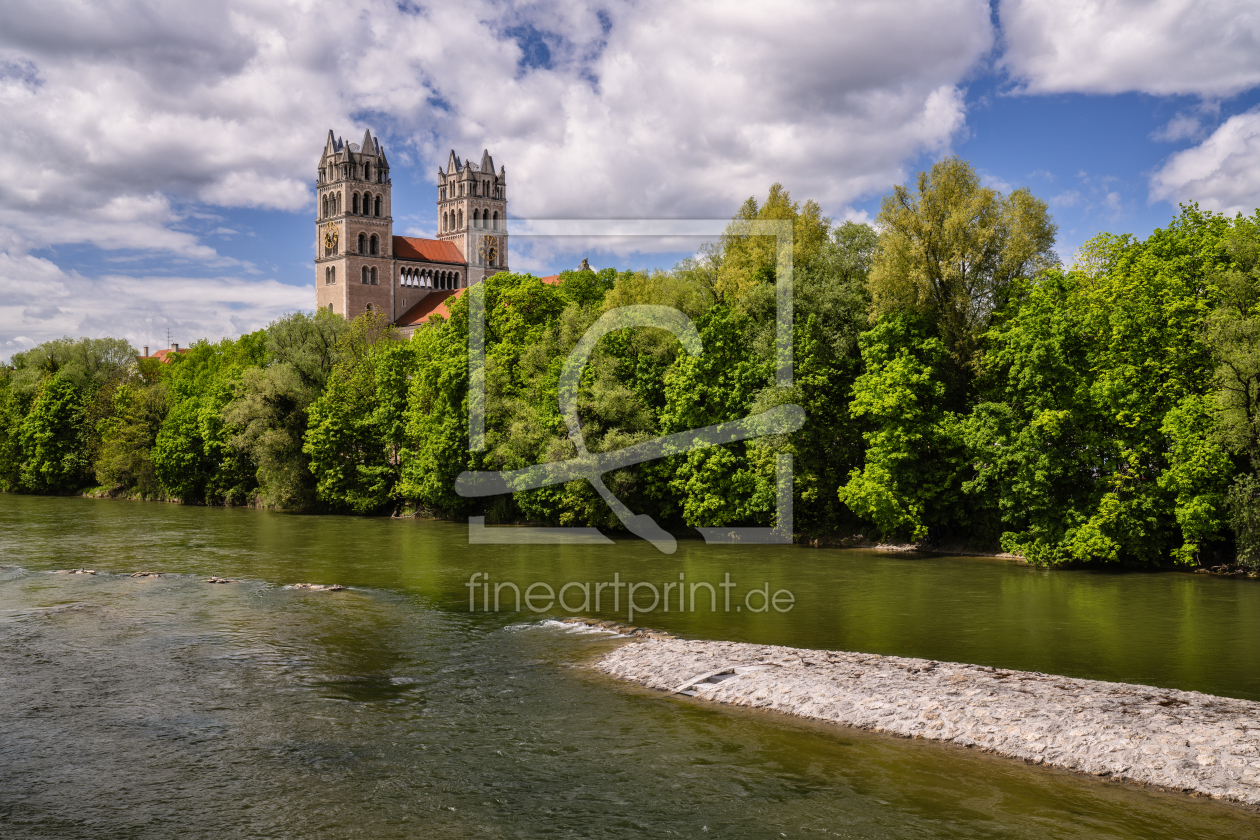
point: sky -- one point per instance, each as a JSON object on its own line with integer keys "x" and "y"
{"x": 157, "y": 157}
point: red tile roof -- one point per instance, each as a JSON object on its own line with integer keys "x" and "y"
{"x": 434, "y": 303}
{"x": 165, "y": 356}
{"x": 430, "y": 250}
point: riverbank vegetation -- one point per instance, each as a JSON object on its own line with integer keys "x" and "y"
{"x": 959, "y": 384}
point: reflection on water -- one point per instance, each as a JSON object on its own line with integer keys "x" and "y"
{"x": 162, "y": 707}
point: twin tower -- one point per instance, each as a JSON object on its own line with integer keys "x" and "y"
{"x": 360, "y": 266}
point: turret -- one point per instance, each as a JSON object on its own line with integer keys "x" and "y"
{"x": 472, "y": 213}
{"x": 354, "y": 227}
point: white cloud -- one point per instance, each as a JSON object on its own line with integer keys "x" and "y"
{"x": 1068, "y": 198}
{"x": 1180, "y": 127}
{"x": 654, "y": 108}
{"x": 39, "y": 301}
{"x": 1201, "y": 47}
{"x": 1221, "y": 173}
{"x": 129, "y": 124}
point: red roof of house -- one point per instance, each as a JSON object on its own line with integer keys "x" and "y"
{"x": 164, "y": 356}
{"x": 430, "y": 250}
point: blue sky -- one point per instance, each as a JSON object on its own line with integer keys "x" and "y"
{"x": 163, "y": 153}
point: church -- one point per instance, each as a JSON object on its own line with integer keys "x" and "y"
{"x": 361, "y": 266}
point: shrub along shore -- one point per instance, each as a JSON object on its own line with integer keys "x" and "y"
{"x": 960, "y": 386}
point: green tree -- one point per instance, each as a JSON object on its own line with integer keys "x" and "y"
{"x": 125, "y": 462}
{"x": 86, "y": 363}
{"x": 1232, "y": 332}
{"x": 728, "y": 484}
{"x": 911, "y": 479}
{"x": 356, "y": 433}
{"x": 1093, "y": 441}
{"x": 14, "y": 404}
{"x": 268, "y": 412}
{"x": 51, "y": 438}
{"x": 744, "y": 261}
{"x": 191, "y": 455}
{"x": 951, "y": 249}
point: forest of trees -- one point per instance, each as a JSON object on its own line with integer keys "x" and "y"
{"x": 959, "y": 384}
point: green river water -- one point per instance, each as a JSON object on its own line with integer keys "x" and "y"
{"x": 169, "y": 707}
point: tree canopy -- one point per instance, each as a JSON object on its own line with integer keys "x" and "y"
{"x": 959, "y": 386}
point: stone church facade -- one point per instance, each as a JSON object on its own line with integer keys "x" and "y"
{"x": 361, "y": 266}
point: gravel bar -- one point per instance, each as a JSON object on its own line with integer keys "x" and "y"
{"x": 1181, "y": 740}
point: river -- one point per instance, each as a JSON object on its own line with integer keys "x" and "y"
{"x": 162, "y": 707}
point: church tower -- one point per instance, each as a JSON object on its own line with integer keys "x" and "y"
{"x": 472, "y": 214}
{"x": 354, "y": 229}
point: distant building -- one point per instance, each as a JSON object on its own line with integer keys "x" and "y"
{"x": 164, "y": 356}
{"x": 360, "y": 266}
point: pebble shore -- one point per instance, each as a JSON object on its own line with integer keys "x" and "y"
{"x": 1182, "y": 740}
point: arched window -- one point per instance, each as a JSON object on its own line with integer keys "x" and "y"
{"x": 354, "y": 205}
{"x": 362, "y": 243}
{"x": 373, "y": 275}
{"x": 325, "y": 214}
{"x": 330, "y": 307}
{"x": 495, "y": 220}
{"x": 367, "y": 172}
{"x": 368, "y": 308}
{"x": 365, "y": 275}
{"x": 476, "y": 220}
{"x": 374, "y": 246}
{"x": 459, "y": 220}
{"x": 377, "y": 207}
{"x": 334, "y": 275}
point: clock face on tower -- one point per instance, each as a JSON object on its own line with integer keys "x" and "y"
{"x": 330, "y": 237}
{"x": 489, "y": 249}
